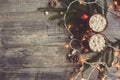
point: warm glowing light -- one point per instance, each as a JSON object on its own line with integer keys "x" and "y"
{"x": 72, "y": 78}
{"x": 110, "y": 7}
{"x": 85, "y": 37}
{"x": 102, "y": 69}
{"x": 61, "y": 12}
{"x": 67, "y": 45}
{"x": 118, "y": 76}
{"x": 112, "y": 63}
{"x": 103, "y": 78}
{"x": 81, "y": 2}
{"x": 81, "y": 60}
{"x": 118, "y": 66}
{"x": 115, "y": 2}
{"x": 116, "y": 53}
{"x": 69, "y": 26}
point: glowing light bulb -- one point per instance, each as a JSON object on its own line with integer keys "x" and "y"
{"x": 61, "y": 12}
{"x": 103, "y": 78}
{"x": 71, "y": 78}
{"x": 67, "y": 45}
{"x": 116, "y": 53}
{"x": 81, "y": 2}
{"x": 81, "y": 60}
{"x": 85, "y": 37}
{"x": 69, "y": 26}
{"x": 112, "y": 63}
{"x": 118, "y": 66}
{"x": 115, "y": 2}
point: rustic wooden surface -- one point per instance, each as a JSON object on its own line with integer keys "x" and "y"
{"x": 31, "y": 46}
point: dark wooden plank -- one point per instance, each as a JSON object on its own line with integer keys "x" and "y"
{"x": 31, "y": 46}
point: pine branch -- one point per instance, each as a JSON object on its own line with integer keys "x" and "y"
{"x": 56, "y": 16}
{"x": 86, "y": 67}
{"x": 117, "y": 43}
{"x": 98, "y": 8}
{"x": 61, "y": 23}
{"x": 93, "y": 59}
{"x": 67, "y": 2}
{"x": 108, "y": 56}
{"x": 79, "y": 7}
{"x": 105, "y": 7}
{"x": 52, "y": 9}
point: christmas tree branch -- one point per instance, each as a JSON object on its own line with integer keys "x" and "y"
{"x": 52, "y": 9}
{"x": 56, "y": 16}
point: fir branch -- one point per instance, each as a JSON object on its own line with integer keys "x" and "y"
{"x": 91, "y": 60}
{"x": 98, "y": 8}
{"x": 67, "y": 2}
{"x": 61, "y": 23}
{"x": 95, "y": 58}
{"x": 116, "y": 43}
{"x": 85, "y": 67}
{"x": 56, "y": 16}
{"x": 52, "y": 9}
{"x": 105, "y": 7}
{"x": 79, "y": 7}
{"x": 108, "y": 56}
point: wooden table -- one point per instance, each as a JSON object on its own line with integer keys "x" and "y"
{"x": 31, "y": 46}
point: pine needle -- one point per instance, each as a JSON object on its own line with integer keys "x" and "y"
{"x": 105, "y": 7}
{"x": 56, "y": 16}
{"x": 98, "y": 8}
{"x": 52, "y": 9}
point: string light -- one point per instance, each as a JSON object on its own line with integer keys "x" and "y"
{"x": 85, "y": 37}
{"x": 103, "y": 78}
{"x": 113, "y": 63}
{"x": 67, "y": 45}
{"x": 118, "y": 66}
{"x": 81, "y": 2}
{"x": 72, "y": 78}
{"x": 116, "y": 53}
{"x": 115, "y": 2}
{"x": 61, "y": 12}
{"x": 69, "y": 26}
{"x": 81, "y": 60}
{"x": 111, "y": 6}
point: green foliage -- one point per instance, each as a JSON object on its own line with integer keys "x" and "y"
{"x": 108, "y": 56}
{"x": 93, "y": 59}
{"x": 98, "y": 9}
{"x": 76, "y": 7}
{"x": 61, "y": 23}
{"x": 52, "y": 9}
{"x": 105, "y": 7}
{"x": 116, "y": 43}
{"x": 85, "y": 67}
{"x": 56, "y": 16}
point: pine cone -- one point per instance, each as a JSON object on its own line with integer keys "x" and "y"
{"x": 73, "y": 58}
{"x": 53, "y": 3}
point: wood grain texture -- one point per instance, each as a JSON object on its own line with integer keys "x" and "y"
{"x": 31, "y": 46}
